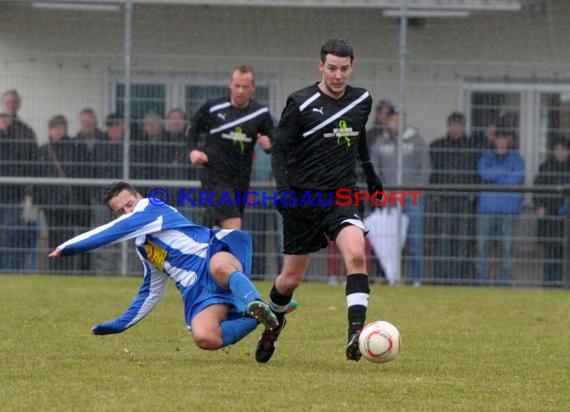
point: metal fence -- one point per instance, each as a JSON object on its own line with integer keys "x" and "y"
{"x": 457, "y": 245}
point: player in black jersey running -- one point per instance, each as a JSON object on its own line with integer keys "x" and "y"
{"x": 319, "y": 139}
{"x": 232, "y": 126}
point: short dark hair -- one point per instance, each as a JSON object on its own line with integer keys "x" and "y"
{"x": 394, "y": 110}
{"x": 456, "y": 117}
{"x": 506, "y": 132}
{"x": 337, "y": 47}
{"x": 383, "y": 103}
{"x": 116, "y": 188}
{"x": 14, "y": 93}
{"x": 88, "y": 110}
{"x": 57, "y": 120}
{"x": 507, "y": 125}
{"x": 176, "y": 110}
{"x": 113, "y": 119}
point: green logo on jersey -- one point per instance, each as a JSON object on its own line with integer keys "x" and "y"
{"x": 343, "y": 132}
{"x": 238, "y": 137}
{"x": 241, "y": 144}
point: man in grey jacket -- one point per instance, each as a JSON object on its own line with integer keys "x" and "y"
{"x": 415, "y": 170}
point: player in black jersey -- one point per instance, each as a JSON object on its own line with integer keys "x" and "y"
{"x": 232, "y": 126}
{"x": 318, "y": 141}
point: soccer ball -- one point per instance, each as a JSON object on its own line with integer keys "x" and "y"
{"x": 379, "y": 342}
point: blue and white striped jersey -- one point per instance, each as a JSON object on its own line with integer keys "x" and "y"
{"x": 168, "y": 245}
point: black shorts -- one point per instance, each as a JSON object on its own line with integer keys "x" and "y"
{"x": 307, "y": 228}
{"x": 222, "y": 198}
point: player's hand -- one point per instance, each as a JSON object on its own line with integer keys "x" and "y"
{"x": 197, "y": 157}
{"x": 107, "y": 328}
{"x": 97, "y": 330}
{"x": 264, "y": 142}
{"x": 56, "y": 253}
{"x": 374, "y": 185}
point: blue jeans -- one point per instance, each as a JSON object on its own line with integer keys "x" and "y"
{"x": 416, "y": 236}
{"x": 18, "y": 238}
{"x": 500, "y": 228}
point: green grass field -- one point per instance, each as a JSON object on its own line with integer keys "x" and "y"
{"x": 464, "y": 349}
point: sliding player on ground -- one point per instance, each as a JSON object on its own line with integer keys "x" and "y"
{"x": 210, "y": 268}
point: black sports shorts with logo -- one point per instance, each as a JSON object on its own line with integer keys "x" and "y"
{"x": 307, "y": 228}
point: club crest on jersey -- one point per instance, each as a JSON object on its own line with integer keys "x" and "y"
{"x": 155, "y": 254}
{"x": 343, "y": 133}
{"x": 238, "y": 137}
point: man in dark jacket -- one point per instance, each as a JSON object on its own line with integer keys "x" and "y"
{"x": 17, "y": 154}
{"x": 89, "y": 133}
{"x": 551, "y": 210}
{"x": 151, "y": 157}
{"x": 11, "y": 101}
{"x": 61, "y": 157}
{"x": 108, "y": 153}
{"x": 176, "y": 128}
{"x": 453, "y": 162}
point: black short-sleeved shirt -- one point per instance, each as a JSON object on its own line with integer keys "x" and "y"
{"x": 231, "y": 134}
{"x": 316, "y": 143}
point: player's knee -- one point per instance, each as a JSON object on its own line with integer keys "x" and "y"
{"x": 222, "y": 265}
{"x": 357, "y": 260}
{"x": 290, "y": 281}
{"x": 220, "y": 269}
{"x": 207, "y": 340}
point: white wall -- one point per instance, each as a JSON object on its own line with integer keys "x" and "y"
{"x": 59, "y": 60}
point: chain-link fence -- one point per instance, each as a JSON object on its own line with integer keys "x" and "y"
{"x": 448, "y": 238}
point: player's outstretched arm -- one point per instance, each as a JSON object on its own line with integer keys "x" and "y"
{"x": 144, "y": 219}
{"x": 198, "y": 125}
{"x": 150, "y": 293}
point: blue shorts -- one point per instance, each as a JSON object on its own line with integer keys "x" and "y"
{"x": 206, "y": 291}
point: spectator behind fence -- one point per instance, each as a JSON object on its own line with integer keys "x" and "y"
{"x": 89, "y": 133}
{"x": 108, "y": 161}
{"x": 453, "y": 162}
{"x": 18, "y": 230}
{"x": 383, "y": 109}
{"x": 11, "y": 102}
{"x": 62, "y": 157}
{"x": 483, "y": 142}
{"x": 151, "y": 156}
{"x": 177, "y": 126}
{"x": 497, "y": 211}
{"x": 415, "y": 170}
{"x": 108, "y": 152}
{"x": 551, "y": 210}
{"x": 233, "y": 125}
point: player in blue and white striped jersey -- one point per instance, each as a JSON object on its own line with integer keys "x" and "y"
{"x": 210, "y": 268}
